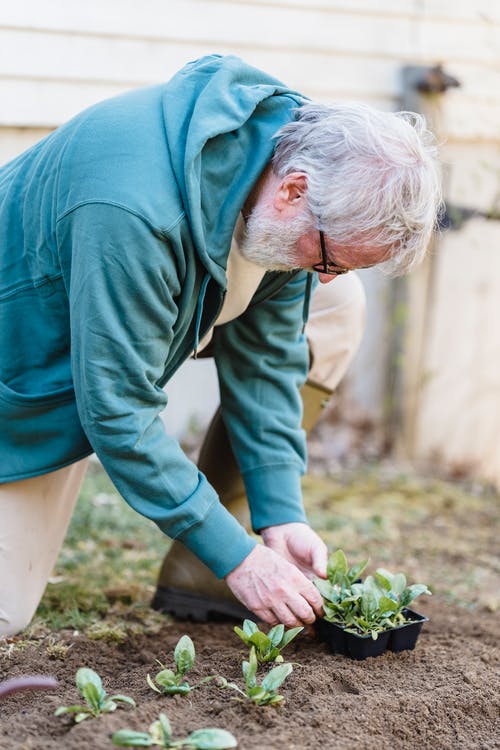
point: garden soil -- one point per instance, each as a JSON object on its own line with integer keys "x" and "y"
{"x": 444, "y": 695}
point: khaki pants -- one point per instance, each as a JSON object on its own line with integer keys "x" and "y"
{"x": 34, "y": 517}
{"x": 35, "y": 513}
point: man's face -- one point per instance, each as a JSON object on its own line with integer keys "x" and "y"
{"x": 285, "y": 244}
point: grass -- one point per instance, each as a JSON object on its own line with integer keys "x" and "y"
{"x": 437, "y": 532}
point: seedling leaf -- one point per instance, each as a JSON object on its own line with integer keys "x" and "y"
{"x": 398, "y": 584}
{"x": 166, "y": 727}
{"x": 211, "y": 739}
{"x": 387, "y": 605}
{"x": 249, "y": 627}
{"x": 86, "y": 676}
{"x": 69, "y": 710}
{"x": 383, "y": 580}
{"x": 128, "y": 738}
{"x": 166, "y": 677}
{"x": 276, "y": 676}
{"x": 92, "y": 695}
{"x": 250, "y": 669}
{"x": 151, "y": 684}
{"x": 289, "y": 636}
{"x": 184, "y": 654}
{"x": 337, "y": 566}
{"x": 276, "y": 634}
{"x": 241, "y": 633}
{"x": 261, "y": 642}
{"x": 123, "y": 699}
{"x": 411, "y": 593}
{"x": 81, "y": 717}
{"x": 356, "y": 570}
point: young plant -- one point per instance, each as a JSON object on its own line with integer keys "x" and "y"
{"x": 89, "y": 684}
{"x": 267, "y": 647}
{"x": 339, "y": 576}
{"x": 160, "y": 735}
{"x": 265, "y": 693}
{"x": 368, "y": 607}
{"x": 171, "y": 682}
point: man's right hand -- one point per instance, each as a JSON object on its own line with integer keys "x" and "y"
{"x": 274, "y": 589}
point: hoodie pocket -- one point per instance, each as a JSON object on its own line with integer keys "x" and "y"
{"x": 38, "y": 433}
{"x": 36, "y": 400}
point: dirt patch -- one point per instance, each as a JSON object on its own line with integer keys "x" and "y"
{"x": 444, "y": 695}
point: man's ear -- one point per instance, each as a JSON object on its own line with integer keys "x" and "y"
{"x": 290, "y": 194}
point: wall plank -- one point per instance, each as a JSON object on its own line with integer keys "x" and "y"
{"x": 88, "y": 57}
{"x": 454, "y": 11}
{"x": 480, "y": 12}
{"x": 246, "y": 25}
{"x": 47, "y": 104}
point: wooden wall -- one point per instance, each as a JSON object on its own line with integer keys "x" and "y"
{"x": 59, "y": 56}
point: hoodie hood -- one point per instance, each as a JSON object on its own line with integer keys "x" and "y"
{"x": 220, "y": 117}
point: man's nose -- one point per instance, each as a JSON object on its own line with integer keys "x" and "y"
{"x": 325, "y": 278}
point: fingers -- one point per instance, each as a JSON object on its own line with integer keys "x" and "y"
{"x": 283, "y": 614}
{"x": 319, "y": 559}
{"x": 275, "y": 589}
{"x": 266, "y": 615}
{"x": 314, "y": 599}
{"x": 300, "y": 545}
{"x": 293, "y": 611}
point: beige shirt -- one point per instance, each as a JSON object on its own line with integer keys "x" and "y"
{"x": 243, "y": 278}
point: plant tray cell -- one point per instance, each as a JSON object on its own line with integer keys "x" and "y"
{"x": 404, "y": 637}
{"x": 360, "y": 647}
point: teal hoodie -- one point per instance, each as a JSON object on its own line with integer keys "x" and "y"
{"x": 114, "y": 237}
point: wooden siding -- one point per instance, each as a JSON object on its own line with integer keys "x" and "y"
{"x": 60, "y": 56}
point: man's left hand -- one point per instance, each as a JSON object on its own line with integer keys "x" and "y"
{"x": 300, "y": 545}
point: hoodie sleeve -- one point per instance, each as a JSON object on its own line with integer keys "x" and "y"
{"x": 262, "y": 361}
{"x": 122, "y": 284}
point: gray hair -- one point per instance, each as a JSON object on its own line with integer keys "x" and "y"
{"x": 372, "y": 176}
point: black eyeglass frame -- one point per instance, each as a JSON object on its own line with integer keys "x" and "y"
{"x": 327, "y": 267}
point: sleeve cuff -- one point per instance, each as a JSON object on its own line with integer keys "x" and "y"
{"x": 274, "y": 495}
{"x": 218, "y": 540}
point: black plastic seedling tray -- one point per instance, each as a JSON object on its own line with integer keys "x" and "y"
{"x": 402, "y": 638}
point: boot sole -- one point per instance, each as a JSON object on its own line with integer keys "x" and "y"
{"x": 186, "y": 605}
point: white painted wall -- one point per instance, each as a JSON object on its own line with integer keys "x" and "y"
{"x": 59, "y": 56}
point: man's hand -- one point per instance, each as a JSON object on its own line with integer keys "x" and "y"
{"x": 275, "y": 589}
{"x": 300, "y": 545}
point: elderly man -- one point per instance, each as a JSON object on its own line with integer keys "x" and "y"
{"x": 195, "y": 216}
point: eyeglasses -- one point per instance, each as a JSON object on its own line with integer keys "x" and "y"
{"x": 329, "y": 267}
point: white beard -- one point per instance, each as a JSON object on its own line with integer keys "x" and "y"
{"x": 270, "y": 243}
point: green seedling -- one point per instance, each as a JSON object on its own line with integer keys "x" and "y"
{"x": 268, "y": 647}
{"x": 98, "y": 701}
{"x": 160, "y": 735}
{"x": 265, "y": 693}
{"x": 368, "y": 607}
{"x": 338, "y": 573}
{"x": 172, "y": 682}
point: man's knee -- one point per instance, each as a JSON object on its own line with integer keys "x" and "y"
{"x": 343, "y": 303}
{"x": 15, "y": 619}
